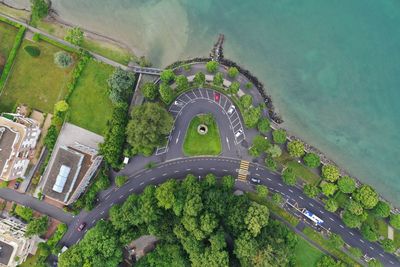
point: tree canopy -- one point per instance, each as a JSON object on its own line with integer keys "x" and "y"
{"x": 182, "y": 83}
{"x": 279, "y": 136}
{"x": 166, "y": 93}
{"x": 382, "y": 209}
{"x": 330, "y": 173}
{"x": 74, "y": 36}
{"x": 395, "y": 220}
{"x": 288, "y": 176}
{"x": 234, "y": 88}
{"x": 251, "y": 116}
{"x": 167, "y": 76}
{"x": 312, "y": 160}
{"x": 346, "y": 184}
{"x": 263, "y": 125}
{"x": 218, "y": 79}
{"x": 120, "y": 85}
{"x": 311, "y": 191}
{"x": 233, "y": 72}
{"x": 328, "y": 189}
{"x": 212, "y": 66}
{"x": 367, "y": 196}
{"x": 199, "y": 79}
{"x": 149, "y": 90}
{"x": 296, "y": 148}
{"x": 331, "y": 205}
{"x": 148, "y": 127}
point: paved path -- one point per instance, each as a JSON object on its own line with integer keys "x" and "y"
{"x": 143, "y": 70}
{"x": 33, "y": 203}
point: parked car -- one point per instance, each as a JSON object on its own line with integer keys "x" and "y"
{"x": 16, "y": 185}
{"x": 177, "y": 103}
{"x": 81, "y": 226}
{"x": 238, "y": 133}
{"x": 231, "y": 110}
{"x": 217, "y": 96}
{"x": 255, "y": 180}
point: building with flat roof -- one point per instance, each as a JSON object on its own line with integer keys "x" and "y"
{"x": 74, "y": 161}
{"x": 18, "y": 138}
{"x": 14, "y": 246}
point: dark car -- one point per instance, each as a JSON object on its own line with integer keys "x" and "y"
{"x": 81, "y": 227}
{"x": 16, "y": 185}
{"x": 255, "y": 180}
{"x": 217, "y": 96}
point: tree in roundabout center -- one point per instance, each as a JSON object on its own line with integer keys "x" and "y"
{"x": 202, "y": 137}
{"x": 148, "y": 127}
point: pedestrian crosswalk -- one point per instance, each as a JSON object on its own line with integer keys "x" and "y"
{"x": 243, "y": 170}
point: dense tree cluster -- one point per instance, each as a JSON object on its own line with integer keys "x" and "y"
{"x": 114, "y": 135}
{"x": 149, "y": 125}
{"x": 120, "y": 85}
{"x": 198, "y": 223}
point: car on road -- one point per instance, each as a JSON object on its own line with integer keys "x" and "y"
{"x": 255, "y": 180}
{"x": 217, "y": 96}
{"x": 81, "y": 226}
{"x": 238, "y": 133}
{"x": 231, "y": 109}
{"x": 16, "y": 185}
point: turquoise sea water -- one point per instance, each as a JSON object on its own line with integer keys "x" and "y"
{"x": 332, "y": 67}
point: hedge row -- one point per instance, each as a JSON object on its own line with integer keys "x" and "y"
{"x": 58, "y": 44}
{"x": 6, "y": 20}
{"x": 11, "y": 56}
{"x": 84, "y": 58}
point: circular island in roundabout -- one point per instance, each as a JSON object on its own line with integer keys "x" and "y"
{"x": 202, "y": 137}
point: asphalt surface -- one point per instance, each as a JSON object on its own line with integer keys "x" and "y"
{"x": 220, "y": 166}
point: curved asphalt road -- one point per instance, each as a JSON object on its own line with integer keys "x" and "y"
{"x": 223, "y": 166}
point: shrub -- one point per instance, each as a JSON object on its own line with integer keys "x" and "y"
{"x": 36, "y": 37}
{"x": 263, "y": 125}
{"x": 388, "y": 245}
{"x": 199, "y": 79}
{"x": 274, "y": 151}
{"x": 24, "y": 213}
{"x": 288, "y": 176}
{"x": 4, "y": 184}
{"x": 249, "y": 85}
{"x": 39, "y": 10}
{"x": 279, "y": 136}
{"x": 234, "y": 88}
{"x": 182, "y": 83}
{"x": 311, "y": 191}
{"x": 120, "y": 180}
{"x": 120, "y": 85}
{"x": 63, "y": 59}
{"x": 167, "y": 76}
{"x": 277, "y": 198}
{"x": 33, "y": 51}
{"x": 233, "y": 72}
{"x": 296, "y": 148}
{"x": 336, "y": 241}
{"x": 346, "y": 184}
{"x": 166, "y": 93}
{"x": 312, "y": 160}
{"x": 395, "y": 220}
{"x": 356, "y": 252}
{"x": 149, "y": 90}
{"x": 74, "y": 36}
{"x": 330, "y": 173}
{"x": 246, "y": 101}
{"x": 270, "y": 163}
{"x": 218, "y": 79}
{"x": 212, "y": 66}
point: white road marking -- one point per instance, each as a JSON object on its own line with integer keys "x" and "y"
{"x": 269, "y": 179}
{"x": 341, "y": 226}
{"x": 141, "y": 183}
{"x": 102, "y": 212}
{"x": 371, "y": 248}
{"x": 213, "y": 169}
{"x": 362, "y": 241}
{"x": 391, "y": 262}
{"x": 177, "y": 139}
{"x": 152, "y": 178}
{"x": 188, "y": 169}
{"x": 331, "y": 219}
{"x": 130, "y": 190}
{"x": 227, "y": 141}
{"x": 121, "y": 196}
{"x": 164, "y": 174}
{"x": 93, "y": 221}
{"x": 321, "y": 212}
{"x": 225, "y": 170}
{"x": 311, "y": 204}
{"x": 351, "y": 233}
{"x": 280, "y": 184}
{"x": 290, "y": 190}
{"x": 176, "y": 171}
{"x": 380, "y": 254}
{"x": 301, "y": 197}
{"x": 107, "y": 197}
{"x": 200, "y": 168}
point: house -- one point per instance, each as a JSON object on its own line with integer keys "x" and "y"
{"x": 73, "y": 163}
{"x": 18, "y": 138}
{"x": 14, "y": 246}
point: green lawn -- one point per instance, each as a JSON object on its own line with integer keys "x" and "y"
{"x": 90, "y": 107}
{"x": 109, "y": 50}
{"x": 196, "y": 144}
{"x": 35, "y": 81}
{"x": 306, "y": 254}
{"x": 7, "y": 37}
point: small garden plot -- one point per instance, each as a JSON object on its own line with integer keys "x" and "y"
{"x": 35, "y": 79}
{"x": 90, "y": 106}
{"x": 202, "y": 137}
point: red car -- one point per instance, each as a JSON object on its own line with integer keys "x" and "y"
{"x": 217, "y": 96}
{"x": 81, "y": 227}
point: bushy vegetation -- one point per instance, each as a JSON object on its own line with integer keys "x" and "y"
{"x": 312, "y": 160}
{"x": 37, "y": 226}
{"x": 149, "y": 91}
{"x": 296, "y": 148}
{"x": 33, "y": 51}
{"x": 212, "y": 66}
{"x": 144, "y": 137}
{"x": 279, "y": 136}
{"x": 194, "y": 222}
{"x": 74, "y": 36}
{"x": 39, "y": 10}
{"x": 120, "y": 180}
{"x": 114, "y": 136}
{"x": 63, "y": 59}
{"x": 121, "y": 85}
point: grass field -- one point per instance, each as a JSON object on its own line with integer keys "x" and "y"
{"x": 306, "y": 254}
{"x": 35, "y": 81}
{"x": 108, "y": 50}
{"x": 90, "y": 107}
{"x": 7, "y": 37}
{"x": 196, "y": 144}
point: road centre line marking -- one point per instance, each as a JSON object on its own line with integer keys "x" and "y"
{"x": 188, "y": 169}
{"x": 351, "y": 233}
{"x": 200, "y": 168}
{"x": 311, "y": 204}
{"x": 269, "y": 179}
{"x": 93, "y": 221}
{"x": 176, "y": 171}
{"x": 371, "y": 248}
{"x": 102, "y": 212}
{"x": 213, "y": 169}
{"x": 257, "y": 174}
{"x": 141, "y": 183}
{"x": 130, "y": 190}
{"x": 280, "y": 184}
{"x": 290, "y": 190}
{"x": 301, "y": 197}
{"x": 391, "y": 262}
{"x": 341, "y": 226}
{"x": 380, "y": 254}
{"x": 362, "y": 241}
{"x": 225, "y": 170}
{"x": 121, "y": 196}
{"x": 331, "y": 219}
{"x": 164, "y": 174}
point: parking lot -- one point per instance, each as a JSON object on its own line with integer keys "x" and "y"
{"x": 227, "y": 107}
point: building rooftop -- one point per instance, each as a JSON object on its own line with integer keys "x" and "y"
{"x": 6, "y": 251}
{"x": 7, "y": 139}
